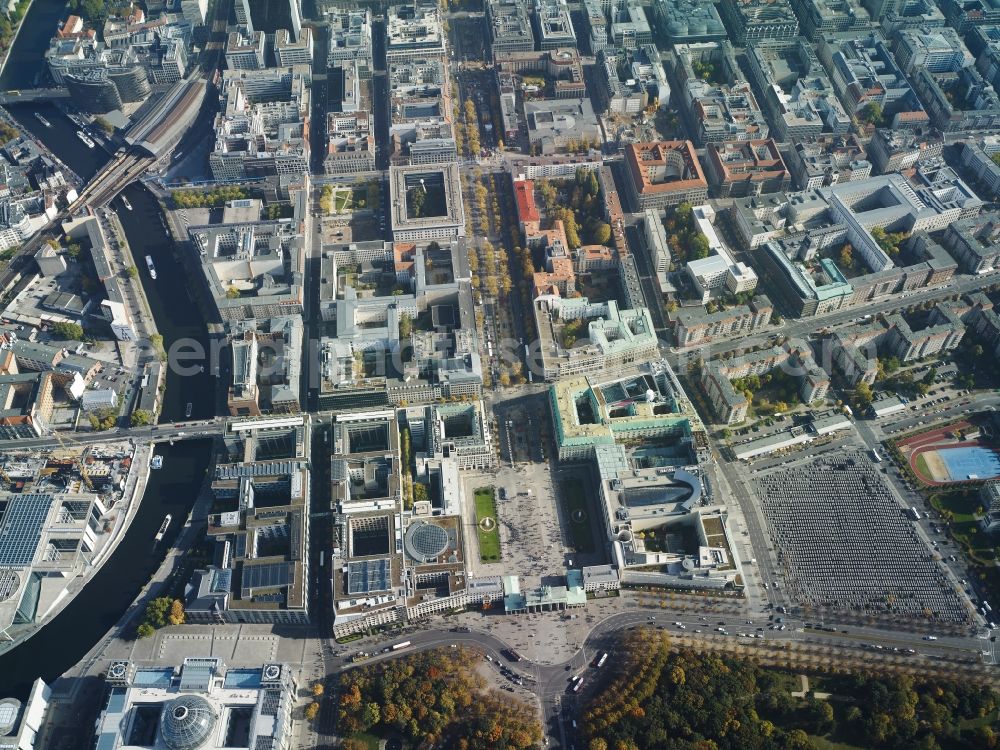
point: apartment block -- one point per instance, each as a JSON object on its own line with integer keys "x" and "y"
{"x": 740, "y": 168}
{"x": 723, "y": 108}
{"x": 261, "y": 128}
{"x": 261, "y": 539}
{"x": 828, "y": 160}
{"x": 510, "y": 26}
{"x": 864, "y": 71}
{"x": 819, "y": 17}
{"x": 977, "y": 158}
{"x": 731, "y": 407}
{"x": 413, "y": 31}
{"x": 350, "y": 143}
{"x": 751, "y": 21}
{"x": 935, "y": 50}
{"x": 962, "y": 15}
{"x": 694, "y": 325}
{"x": 553, "y": 25}
{"x": 799, "y": 97}
{"x": 895, "y": 151}
{"x": 245, "y": 52}
{"x": 615, "y": 338}
{"x": 975, "y": 243}
{"x": 292, "y": 51}
{"x": 629, "y": 27}
{"x": 350, "y": 36}
{"x": 959, "y": 101}
{"x": 597, "y": 26}
{"x": 664, "y": 173}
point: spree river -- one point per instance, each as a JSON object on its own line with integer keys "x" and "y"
{"x": 25, "y": 67}
{"x": 65, "y": 640}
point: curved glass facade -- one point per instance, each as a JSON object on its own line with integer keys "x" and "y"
{"x": 187, "y": 722}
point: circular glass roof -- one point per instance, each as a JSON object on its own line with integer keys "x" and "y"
{"x": 186, "y": 722}
{"x": 425, "y": 541}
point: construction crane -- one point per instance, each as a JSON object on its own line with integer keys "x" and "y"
{"x": 82, "y": 467}
{"x": 78, "y": 460}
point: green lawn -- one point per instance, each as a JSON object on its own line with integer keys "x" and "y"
{"x": 359, "y": 198}
{"x": 962, "y": 506}
{"x": 370, "y": 740}
{"x": 489, "y": 539}
{"x": 822, "y": 743}
{"x": 341, "y": 200}
{"x": 575, "y": 499}
{"x": 922, "y": 470}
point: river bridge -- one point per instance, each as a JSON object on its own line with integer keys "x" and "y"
{"x": 27, "y": 96}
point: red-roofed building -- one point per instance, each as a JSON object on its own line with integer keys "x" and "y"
{"x": 665, "y": 173}
{"x": 524, "y": 195}
{"x": 72, "y": 27}
{"x": 403, "y": 254}
{"x": 536, "y": 237}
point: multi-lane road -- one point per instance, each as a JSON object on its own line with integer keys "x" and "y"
{"x": 550, "y": 684}
{"x": 160, "y": 433}
{"x": 802, "y": 327}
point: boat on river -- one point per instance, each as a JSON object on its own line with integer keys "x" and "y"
{"x": 163, "y": 528}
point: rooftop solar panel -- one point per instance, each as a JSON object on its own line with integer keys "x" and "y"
{"x": 21, "y": 529}
{"x": 267, "y": 575}
{"x": 365, "y": 576}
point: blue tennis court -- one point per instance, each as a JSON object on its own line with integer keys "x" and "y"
{"x": 970, "y": 463}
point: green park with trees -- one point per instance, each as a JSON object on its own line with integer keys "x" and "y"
{"x": 769, "y": 393}
{"x": 160, "y": 612}
{"x": 207, "y": 198}
{"x": 578, "y": 204}
{"x": 432, "y": 699}
{"x": 685, "y": 241}
{"x": 683, "y": 700}
{"x": 10, "y": 20}
{"x": 67, "y": 331}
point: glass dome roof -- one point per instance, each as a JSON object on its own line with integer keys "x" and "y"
{"x": 187, "y": 721}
